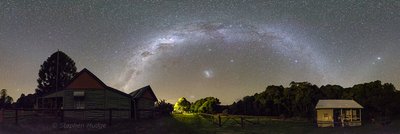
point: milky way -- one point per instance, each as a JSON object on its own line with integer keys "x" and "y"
{"x": 227, "y": 35}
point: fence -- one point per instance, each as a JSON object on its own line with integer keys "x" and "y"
{"x": 107, "y": 115}
{"x": 241, "y": 120}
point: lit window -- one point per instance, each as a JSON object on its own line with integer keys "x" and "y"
{"x": 326, "y": 117}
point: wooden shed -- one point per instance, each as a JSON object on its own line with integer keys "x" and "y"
{"x": 144, "y": 101}
{"x": 335, "y": 113}
{"x": 86, "y": 91}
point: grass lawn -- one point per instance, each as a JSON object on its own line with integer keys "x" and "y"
{"x": 185, "y": 124}
{"x": 200, "y": 125}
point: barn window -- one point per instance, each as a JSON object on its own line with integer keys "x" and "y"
{"x": 79, "y": 99}
{"x": 326, "y": 117}
{"x": 355, "y": 115}
{"x": 79, "y": 93}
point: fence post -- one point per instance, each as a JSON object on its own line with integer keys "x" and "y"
{"x": 219, "y": 121}
{"x": 241, "y": 121}
{"x": 110, "y": 116}
{"x": 1, "y": 115}
{"x": 16, "y": 116}
{"x": 62, "y": 115}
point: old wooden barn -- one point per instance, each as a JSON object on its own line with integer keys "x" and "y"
{"x": 334, "y": 113}
{"x": 144, "y": 100}
{"x": 88, "y": 93}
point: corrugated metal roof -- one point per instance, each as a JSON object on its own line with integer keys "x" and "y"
{"x": 337, "y": 104}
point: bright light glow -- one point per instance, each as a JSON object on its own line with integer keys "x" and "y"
{"x": 208, "y": 73}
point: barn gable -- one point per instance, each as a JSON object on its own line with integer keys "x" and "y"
{"x": 144, "y": 92}
{"x": 86, "y": 80}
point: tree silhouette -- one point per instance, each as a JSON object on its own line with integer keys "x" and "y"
{"x": 55, "y": 72}
{"x": 299, "y": 100}
{"x": 5, "y": 100}
{"x": 164, "y": 108}
{"x": 25, "y": 101}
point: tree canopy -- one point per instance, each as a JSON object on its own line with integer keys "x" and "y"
{"x": 26, "y": 101}
{"x": 164, "y": 108}
{"x": 300, "y": 98}
{"x": 5, "y": 100}
{"x": 49, "y": 80}
{"x": 182, "y": 105}
{"x": 205, "y": 105}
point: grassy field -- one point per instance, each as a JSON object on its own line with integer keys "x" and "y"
{"x": 280, "y": 127}
{"x": 186, "y": 124}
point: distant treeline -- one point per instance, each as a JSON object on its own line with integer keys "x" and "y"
{"x": 205, "y": 105}
{"x": 300, "y": 98}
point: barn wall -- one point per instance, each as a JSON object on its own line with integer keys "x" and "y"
{"x": 94, "y": 99}
{"x": 68, "y": 100}
{"x": 144, "y": 103}
{"x": 116, "y": 100}
{"x": 97, "y": 99}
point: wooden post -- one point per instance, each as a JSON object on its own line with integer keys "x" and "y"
{"x": 360, "y": 115}
{"x": 341, "y": 117}
{"x": 219, "y": 121}
{"x": 110, "y": 116}
{"x": 241, "y": 121}
{"x": 16, "y": 116}
{"x": 351, "y": 115}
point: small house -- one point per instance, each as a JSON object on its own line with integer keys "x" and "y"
{"x": 335, "y": 113}
{"x": 144, "y": 101}
{"x": 87, "y": 92}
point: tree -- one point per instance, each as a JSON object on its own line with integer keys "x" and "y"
{"x": 206, "y": 105}
{"x": 211, "y": 105}
{"x": 3, "y": 95}
{"x": 164, "y": 108}
{"x": 196, "y": 105}
{"x": 299, "y": 100}
{"x": 182, "y": 105}
{"x": 332, "y": 91}
{"x": 26, "y": 101}
{"x": 5, "y": 100}
{"x": 55, "y": 73}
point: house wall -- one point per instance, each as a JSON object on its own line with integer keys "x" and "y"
{"x": 144, "y": 104}
{"x": 325, "y": 118}
{"x": 352, "y": 117}
{"x": 97, "y": 99}
{"x": 115, "y": 100}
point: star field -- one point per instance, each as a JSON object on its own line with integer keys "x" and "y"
{"x": 226, "y": 49}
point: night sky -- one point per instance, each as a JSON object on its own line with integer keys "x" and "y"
{"x": 226, "y": 49}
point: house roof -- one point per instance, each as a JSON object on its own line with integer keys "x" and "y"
{"x": 58, "y": 93}
{"x": 118, "y": 91}
{"x": 86, "y": 71}
{"x": 138, "y": 93}
{"x": 337, "y": 104}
